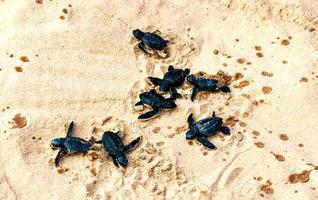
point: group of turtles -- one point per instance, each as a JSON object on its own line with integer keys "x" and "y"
{"x": 172, "y": 79}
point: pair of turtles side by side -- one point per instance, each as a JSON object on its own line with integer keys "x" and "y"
{"x": 172, "y": 79}
{"x": 205, "y": 128}
{"x": 112, "y": 144}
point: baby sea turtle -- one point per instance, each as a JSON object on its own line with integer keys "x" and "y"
{"x": 205, "y": 128}
{"x": 156, "y": 102}
{"x": 205, "y": 84}
{"x": 149, "y": 41}
{"x": 115, "y": 147}
{"x": 70, "y": 145}
{"x": 172, "y": 79}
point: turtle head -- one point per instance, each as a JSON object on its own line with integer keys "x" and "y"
{"x": 186, "y": 72}
{"x": 138, "y": 33}
{"x": 169, "y": 104}
{"x": 58, "y": 142}
{"x": 122, "y": 160}
{"x": 190, "y": 135}
{"x": 191, "y": 79}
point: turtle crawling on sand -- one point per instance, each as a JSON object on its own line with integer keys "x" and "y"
{"x": 172, "y": 79}
{"x": 70, "y": 145}
{"x": 205, "y": 84}
{"x": 156, "y": 102}
{"x": 115, "y": 147}
{"x": 205, "y": 128}
{"x": 150, "y": 41}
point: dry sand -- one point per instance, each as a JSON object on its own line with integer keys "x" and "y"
{"x": 80, "y": 64}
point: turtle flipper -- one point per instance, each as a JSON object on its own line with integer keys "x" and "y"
{"x": 149, "y": 114}
{"x": 225, "y": 130}
{"x": 155, "y": 81}
{"x": 175, "y": 94}
{"x": 70, "y": 130}
{"x": 60, "y": 154}
{"x": 213, "y": 115}
{"x": 190, "y": 120}
{"x": 91, "y": 141}
{"x": 132, "y": 144}
{"x": 206, "y": 142}
{"x": 139, "y": 103}
{"x": 195, "y": 91}
{"x": 115, "y": 162}
{"x": 142, "y": 47}
{"x": 225, "y": 89}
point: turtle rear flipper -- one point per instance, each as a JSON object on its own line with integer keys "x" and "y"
{"x": 92, "y": 140}
{"x": 115, "y": 162}
{"x": 149, "y": 114}
{"x": 175, "y": 94}
{"x": 206, "y": 142}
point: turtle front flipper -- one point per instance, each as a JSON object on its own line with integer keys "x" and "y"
{"x": 149, "y": 114}
{"x": 175, "y": 94}
{"x": 132, "y": 144}
{"x": 59, "y": 156}
{"x": 139, "y": 103}
{"x": 191, "y": 121}
{"x": 206, "y": 142}
{"x": 225, "y": 130}
{"x": 70, "y": 130}
{"x": 195, "y": 91}
{"x": 155, "y": 81}
{"x": 142, "y": 47}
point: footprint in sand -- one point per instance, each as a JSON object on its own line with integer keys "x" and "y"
{"x": 18, "y": 121}
{"x": 179, "y": 49}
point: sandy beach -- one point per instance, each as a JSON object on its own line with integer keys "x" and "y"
{"x": 63, "y": 61}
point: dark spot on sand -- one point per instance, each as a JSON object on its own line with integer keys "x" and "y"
{"x": 18, "y": 121}
{"x": 24, "y": 59}
{"x": 18, "y": 69}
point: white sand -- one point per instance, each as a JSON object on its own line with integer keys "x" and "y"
{"x": 87, "y": 70}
